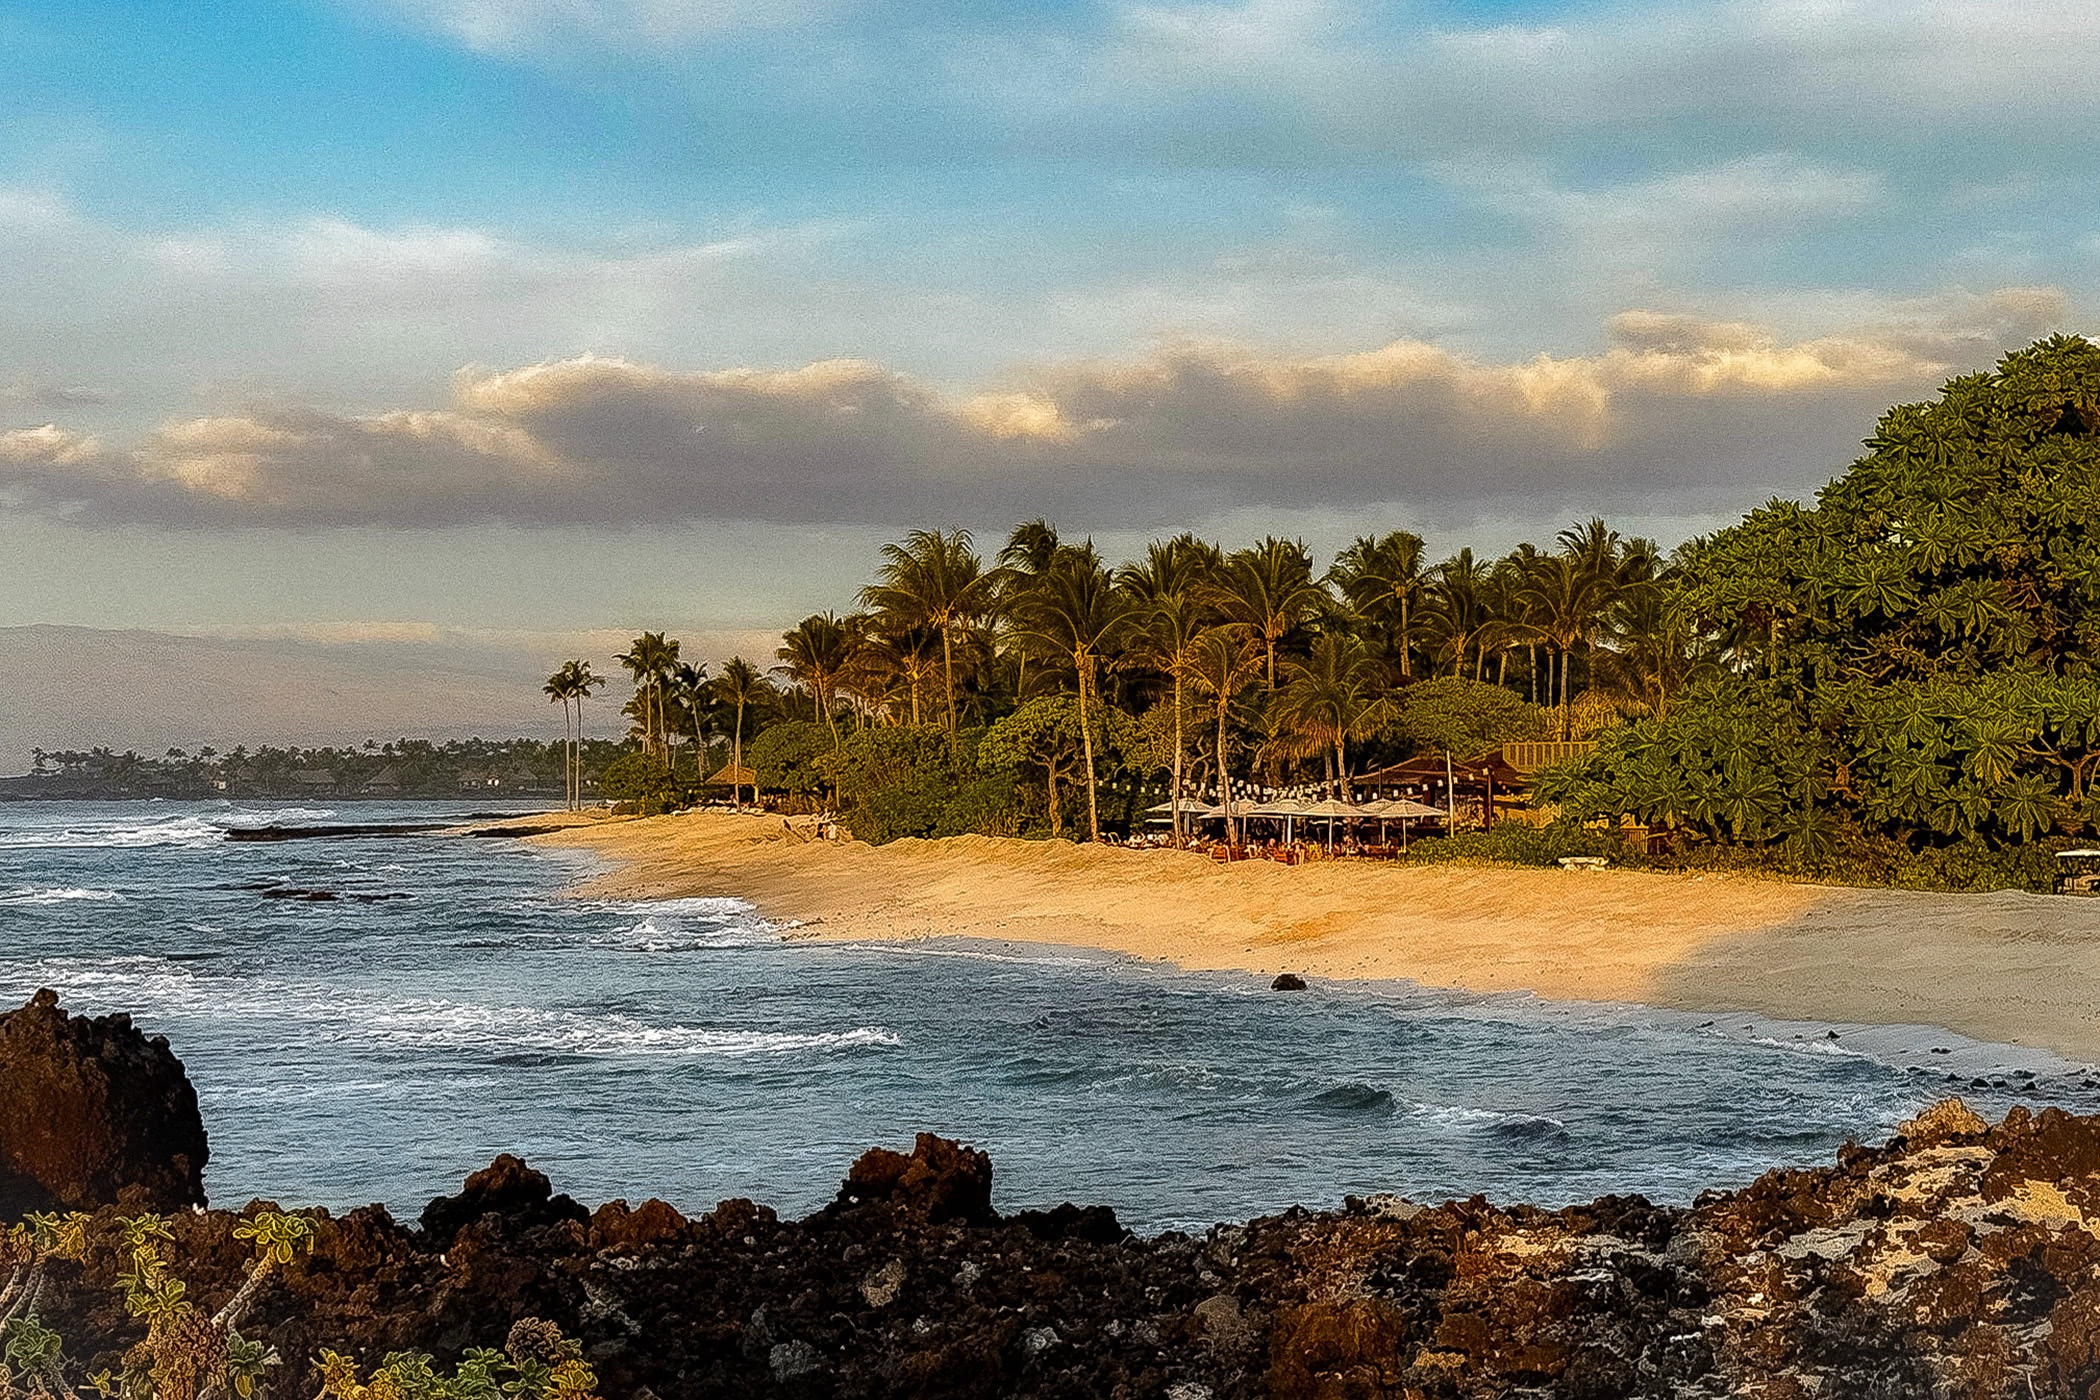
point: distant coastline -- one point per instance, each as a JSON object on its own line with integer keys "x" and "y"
{"x": 2009, "y": 968}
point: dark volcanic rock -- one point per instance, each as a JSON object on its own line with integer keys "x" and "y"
{"x": 93, "y": 1113}
{"x": 1287, "y": 982}
{"x": 519, "y": 1197}
{"x": 940, "y": 1180}
{"x": 1961, "y": 1260}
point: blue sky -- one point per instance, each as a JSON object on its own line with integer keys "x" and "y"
{"x": 349, "y": 313}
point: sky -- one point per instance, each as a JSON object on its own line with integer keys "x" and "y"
{"x": 536, "y": 322}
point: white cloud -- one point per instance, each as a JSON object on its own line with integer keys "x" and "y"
{"x": 46, "y": 446}
{"x": 514, "y": 26}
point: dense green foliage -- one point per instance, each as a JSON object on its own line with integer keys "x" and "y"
{"x": 1910, "y": 661}
{"x": 792, "y": 757}
{"x": 640, "y": 782}
{"x": 1464, "y": 717}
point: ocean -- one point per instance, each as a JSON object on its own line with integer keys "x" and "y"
{"x": 372, "y": 1019}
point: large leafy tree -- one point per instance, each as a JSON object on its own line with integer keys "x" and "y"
{"x": 1914, "y": 654}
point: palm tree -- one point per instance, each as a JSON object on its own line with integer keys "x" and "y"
{"x": 816, "y": 655}
{"x": 891, "y": 669}
{"x": 1076, "y": 616}
{"x": 561, "y": 686}
{"x": 572, "y": 684}
{"x": 1567, "y": 597}
{"x": 1269, "y": 590}
{"x": 933, "y": 579}
{"x": 650, "y": 658}
{"x": 1457, "y": 610}
{"x": 1223, "y": 662}
{"x": 586, "y": 680}
{"x": 1166, "y": 589}
{"x": 740, "y": 685}
{"x": 1027, "y": 555}
{"x": 1332, "y": 697}
{"x": 688, "y": 686}
{"x": 1380, "y": 576}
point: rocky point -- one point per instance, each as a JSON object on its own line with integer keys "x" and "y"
{"x": 94, "y": 1113}
{"x": 1961, "y": 1259}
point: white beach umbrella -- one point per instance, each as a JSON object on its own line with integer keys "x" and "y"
{"x": 1285, "y": 807}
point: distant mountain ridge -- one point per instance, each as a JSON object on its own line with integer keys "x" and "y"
{"x": 77, "y": 687}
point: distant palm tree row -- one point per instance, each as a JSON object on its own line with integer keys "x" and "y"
{"x": 1255, "y": 641}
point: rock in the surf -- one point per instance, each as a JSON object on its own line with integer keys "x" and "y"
{"x": 93, "y": 1113}
{"x": 1287, "y": 982}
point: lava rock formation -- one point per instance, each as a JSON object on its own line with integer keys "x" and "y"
{"x": 93, "y": 1113}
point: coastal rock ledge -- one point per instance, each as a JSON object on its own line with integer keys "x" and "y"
{"x": 93, "y": 1113}
{"x": 1962, "y": 1259}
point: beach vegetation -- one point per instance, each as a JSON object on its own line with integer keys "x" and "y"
{"x": 791, "y": 757}
{"x": 1047, "y": 740}
{"x": 1459, "y": 715}
{"x": 1902, "y": 676}
{"x": 641, "y": 783}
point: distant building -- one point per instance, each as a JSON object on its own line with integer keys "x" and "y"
{"x": 313, "y": 778}
{"x": 386, "y": 780}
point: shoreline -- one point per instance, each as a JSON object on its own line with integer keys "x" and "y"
{"x": 2008, "y": 968}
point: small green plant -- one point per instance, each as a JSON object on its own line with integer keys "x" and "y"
{"x": 32, "y": 1361}
{"x": 536, "y": 1363}
{"x": 188, "y": 1354}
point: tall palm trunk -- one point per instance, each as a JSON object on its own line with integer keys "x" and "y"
{"x": 1566, "y": 720}
{"x": 736, "y": 762}
{"x": 1232, "y": 831}
{"x": 948, "y": 675}
{"x": 1086, "y": 743}
{"x": 1174, "y": 798}
{"x": 1406, "y": 645}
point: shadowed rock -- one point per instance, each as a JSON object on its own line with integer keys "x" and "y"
{"x": 93, "y": 1113}
{"x": 519, "y": 1197}
{"x": 940, "y": 1180}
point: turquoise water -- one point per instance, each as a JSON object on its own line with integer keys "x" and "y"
{"x": 451, "y": 1003}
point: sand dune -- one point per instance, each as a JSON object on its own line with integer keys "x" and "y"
{"x": 2001, "y": 967}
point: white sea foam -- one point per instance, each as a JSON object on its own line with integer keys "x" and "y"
{"x": 1463, "y": 1117}
{"x": 24, "y": 895}
{"x": 277, "y": 816}
{"x": 159, "y": 986}
{"x": 532, "y": 1030}
{"x": 192, "y": 832}
{"x": 684, "y": 925}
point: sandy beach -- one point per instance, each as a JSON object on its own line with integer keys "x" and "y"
{"x": 2005, "y": 967}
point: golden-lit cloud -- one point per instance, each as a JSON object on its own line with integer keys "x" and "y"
{"x": 1672, "y": 402}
